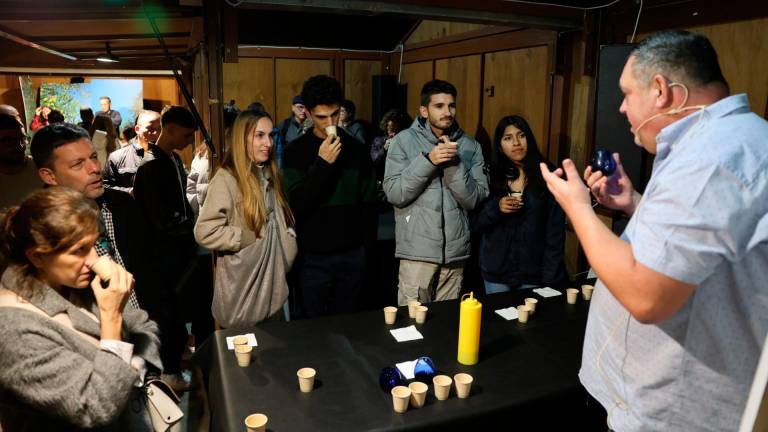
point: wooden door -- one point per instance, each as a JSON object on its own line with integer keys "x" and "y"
{"x": 358, "y": 85}
{"x": 415, "y": 75}
{"x": 250, "y": 80}
{"x": 464, "y": 73}
{"x": 517, "y": 82}
{"x": 290, "y": 75}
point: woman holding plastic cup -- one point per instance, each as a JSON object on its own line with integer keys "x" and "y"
{"x": 247, "y": 222}
{"x": 522, "y": 226}
{"x": 71, "y": 355}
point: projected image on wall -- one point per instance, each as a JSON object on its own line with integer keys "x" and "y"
{"x": 126, "y": 96}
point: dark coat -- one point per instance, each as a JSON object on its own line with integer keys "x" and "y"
{"x": 525, "y": 247}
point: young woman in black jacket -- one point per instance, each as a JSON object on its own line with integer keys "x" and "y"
{"x": 522, "y": 226}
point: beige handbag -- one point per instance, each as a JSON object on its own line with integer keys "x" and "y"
{"x": 162, "y": 404}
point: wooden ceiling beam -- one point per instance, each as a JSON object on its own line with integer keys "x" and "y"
{"x": 119, "y": 49}
{"x": 459, "y": 11}
{"x": 105, "y": 37}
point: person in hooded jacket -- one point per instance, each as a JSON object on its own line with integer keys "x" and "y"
{"x": 434, "y": 175}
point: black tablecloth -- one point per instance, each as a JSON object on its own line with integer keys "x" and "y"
{"x": 527, "y": 372}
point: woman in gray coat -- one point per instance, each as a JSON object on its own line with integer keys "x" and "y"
{"x": 71, "y": 357}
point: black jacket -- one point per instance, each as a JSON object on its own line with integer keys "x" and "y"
{"x": 525, "y": 247}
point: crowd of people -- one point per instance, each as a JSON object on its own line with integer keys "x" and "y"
{"x": 292, "y": 210}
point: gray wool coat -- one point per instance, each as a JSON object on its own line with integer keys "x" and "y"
{"x": 431, "y": 202}
{"x": 52, "y": 378}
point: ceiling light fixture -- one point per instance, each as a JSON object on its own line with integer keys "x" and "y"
{"x": 108, "y": 57}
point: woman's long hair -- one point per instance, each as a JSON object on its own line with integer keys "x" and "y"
{"x": 501, "y": 165}
{"x": 240, "y": 165}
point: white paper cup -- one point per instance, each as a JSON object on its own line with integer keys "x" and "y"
{"x": 531, "y": 303}
{"x": 586, "y": 291}
{"x": 412, "y": 304}
{"x": 571, "y": 295}
{"x": 306, "y": 379}
{"x": 442, "y": 386}
{"x": 421, "y": 314}
{"x": 390, "y": 314}
{"x": 418, "y": 393}
{"x": 331, "y": 131}
{"x": 256, "y": 423}
{"x": 401, "y": 396}
{"x": 103, "y": 267}
{"x": 523, "y": 313}
{"x": 243, "y": 354}
{"x": 240, "y": 340}
{"x": 463, "y": 384}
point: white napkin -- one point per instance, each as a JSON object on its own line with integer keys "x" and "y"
{"x": 547, "y": 292}
{"x": 509, "y": 313}
{"x": 406, "y": 334}
{"x": 407, "y": 368}
{"x": 251, "y": 340}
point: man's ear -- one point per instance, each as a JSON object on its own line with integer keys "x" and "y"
{"x": 47, "y": 176}
{"x": 664, "y": 96}
{"x": 423, "y": 112}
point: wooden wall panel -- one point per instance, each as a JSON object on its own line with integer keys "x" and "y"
{"x": 250, "y": 80}
{"x": 739, "y": 47}
{"x": 358, "y": 84}
{"x": 431, "y": 30}
{"x": 290, "y": 75}
{"x": 164, "y": 90}
{"x": 582, "y": 86}
{"x": 10, "y": 92}
{"x": 415, "y": 75}
{"x": 465, "y": 74}
{"x": 520, "y": 81}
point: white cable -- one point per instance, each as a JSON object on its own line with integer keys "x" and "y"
{"x": 637, "y": 21}
{"x": 564, "y": 6}
{"x": 400, "y": 70}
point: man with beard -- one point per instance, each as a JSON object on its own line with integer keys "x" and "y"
{"x": 433, "y": 176}
{"x": 18, "y": 176}
{"x": 120, "y": 169}
{"x": 64, "y": 156}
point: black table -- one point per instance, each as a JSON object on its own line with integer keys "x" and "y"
{"x": 527, "y": 372}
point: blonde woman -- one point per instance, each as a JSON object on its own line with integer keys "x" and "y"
{"x": 246, "y": 221}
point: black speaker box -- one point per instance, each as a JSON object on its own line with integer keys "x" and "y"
{"x": 612, "y": 129}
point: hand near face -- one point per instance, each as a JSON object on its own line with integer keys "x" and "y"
{"x": 509, "y": 204}
{"x": 569, "y": 193}
{"x": 444, "y": 151}
{"x": 111, "y": 300}
{"x": 330, "y": 149}
{"x": 616, "y": 192}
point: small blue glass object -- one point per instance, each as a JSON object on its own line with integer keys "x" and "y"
{"x": 390, "y": 378}
{"x": 603, "y": 161}
{"x": 424, "y": 370}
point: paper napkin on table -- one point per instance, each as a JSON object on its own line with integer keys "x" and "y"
{"x": 406, "y": 334}
{"x": 251, "y": 340}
